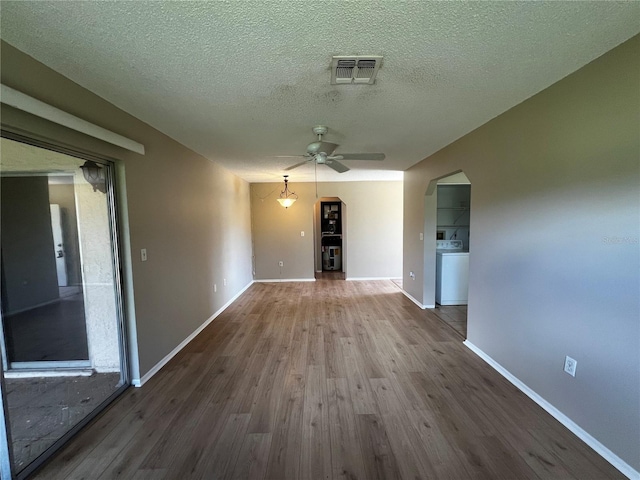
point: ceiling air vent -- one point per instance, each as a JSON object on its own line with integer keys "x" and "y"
{"x": 354, "y": 69}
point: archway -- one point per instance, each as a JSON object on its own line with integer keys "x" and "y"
{"x": 447, "y": 229}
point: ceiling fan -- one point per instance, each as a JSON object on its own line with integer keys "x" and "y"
{"x": 323, "y": 153}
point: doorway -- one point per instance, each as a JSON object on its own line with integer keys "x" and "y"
{"x": 61, "y": 328}
{"x": 448, "y": 220}
{"x": 330, "y": 239}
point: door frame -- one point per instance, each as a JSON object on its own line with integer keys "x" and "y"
{"x": 317, "y": 234}
{"x": 6, "y": 455}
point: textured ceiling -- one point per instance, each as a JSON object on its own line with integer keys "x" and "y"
{"x": 243, "y": 81}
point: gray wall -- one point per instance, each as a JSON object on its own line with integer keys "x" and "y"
{"x": 372, "y": 238}
{"x": 554, "y": 257}
{"x": 190, "y": 214}
{"x": 28, "y": 262}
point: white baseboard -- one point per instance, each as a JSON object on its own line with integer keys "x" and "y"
{"x": 364, "y": 279}
{"x": 406, "y": 294}
{"x": 282, "y": 280}
{"x": 603, "y": 451}
{"x": 138, "y": 382}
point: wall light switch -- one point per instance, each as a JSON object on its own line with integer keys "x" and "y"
{"x": 302, "y": 234}
{"x": 143, "y": 254}
{"x": 421, "y": 236}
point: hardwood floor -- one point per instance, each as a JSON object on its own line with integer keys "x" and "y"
{"x": 326, "y": 380}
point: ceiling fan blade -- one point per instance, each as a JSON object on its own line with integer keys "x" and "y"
{"x": 289, "y": 156}
{"x": 296, "y": 165}
{"x": 337, "y": 166}
{"x": 328, "y": 147}
{"x": 359, "y": 156}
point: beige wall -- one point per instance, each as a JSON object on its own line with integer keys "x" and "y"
{"x": 190, "y": 214}
{"x": 554, "y": 253}
{"x": 373, "y": 229}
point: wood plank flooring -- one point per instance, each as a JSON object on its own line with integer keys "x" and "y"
{"x": 326, "y": 380}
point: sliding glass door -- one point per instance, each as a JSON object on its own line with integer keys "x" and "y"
{"x": 61, "y": 334}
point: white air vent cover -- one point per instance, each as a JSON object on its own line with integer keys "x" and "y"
{"x": 354, "y": 69}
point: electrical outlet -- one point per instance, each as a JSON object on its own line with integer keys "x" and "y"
{"x": 281, "y": 263}
{"x": 570, "y": 366}
{"x": 421, "y": 236}
{"x": 215, "y": 288}
{"x": 224, "y": 282}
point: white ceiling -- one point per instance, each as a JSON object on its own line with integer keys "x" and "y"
{"x": 243, "y": 81}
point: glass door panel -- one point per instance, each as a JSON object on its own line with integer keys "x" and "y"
{"x": 61, "y": 322}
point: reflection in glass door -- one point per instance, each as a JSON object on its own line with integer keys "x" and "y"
{"x": 44, "y": 315}
{"x": 61, "y": 318}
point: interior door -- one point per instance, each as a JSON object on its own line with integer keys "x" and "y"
{"x": 58, "y": 244}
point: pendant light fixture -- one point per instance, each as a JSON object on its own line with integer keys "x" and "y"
{"x": 286, "y": 197}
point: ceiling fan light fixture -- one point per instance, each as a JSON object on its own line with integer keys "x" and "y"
{"x": 287, "y": 198}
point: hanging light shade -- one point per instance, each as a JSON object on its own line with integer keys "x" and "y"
{"x": 94, "y": 174}
{"x": 286, "y": 197}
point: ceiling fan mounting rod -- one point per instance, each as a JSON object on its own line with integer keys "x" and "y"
{"x": 320, "y": 130}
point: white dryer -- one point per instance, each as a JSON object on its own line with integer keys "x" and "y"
{"x": 452, "y": 273}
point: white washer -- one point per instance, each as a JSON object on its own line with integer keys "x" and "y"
{"x": 452, "y": 273}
